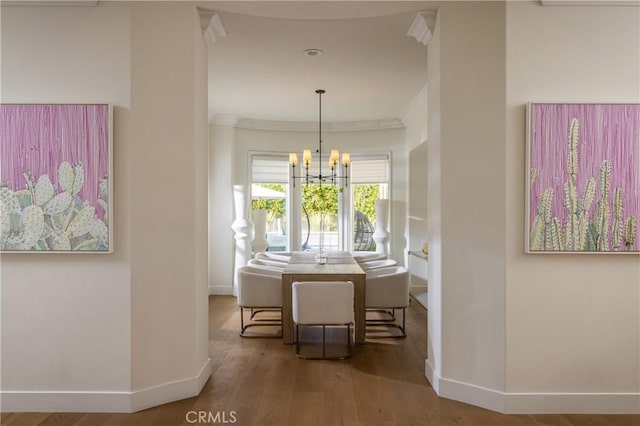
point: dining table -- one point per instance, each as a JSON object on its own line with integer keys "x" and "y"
{"x": 337, "y": 266}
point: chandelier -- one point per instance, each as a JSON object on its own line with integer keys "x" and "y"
{"x": 334, "y": 158}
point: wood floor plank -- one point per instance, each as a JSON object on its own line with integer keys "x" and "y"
{"x": 263, "y": 383}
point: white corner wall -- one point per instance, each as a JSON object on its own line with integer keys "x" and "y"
{"x": 573, "y": 321}
{"x": 416, "y": 132}
{"x": 415, "y": 119}
{"x": 221, "y": 207}
{"x": 128, "y": 330}
{"x": 508, "y": 331}
{"x": 169, "y": 332}
{"x": 466, "y": 187}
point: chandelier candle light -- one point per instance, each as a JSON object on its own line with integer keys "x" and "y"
{"x": 333, "y": 159}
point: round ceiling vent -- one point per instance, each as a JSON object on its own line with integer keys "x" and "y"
{"x": 313, "y": 52}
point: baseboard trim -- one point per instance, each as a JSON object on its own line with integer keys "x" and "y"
{"x": 414, "y": 289}
{"x": 220, "y": 290}
{"x": 472, "y": 394}
{"x": 171, "y": 391}
{"x": 532, "y": 403}
{"x": 64, "y": 402}
{"x": 432, "y": 376}
{"x": 573, "y": 403}
{"x": 104, "y": 402}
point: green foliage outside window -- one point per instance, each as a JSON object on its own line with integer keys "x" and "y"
{"x": 364, "y": 200}
{"x": 320, "y": 199}
{"x": 276, "y": 208}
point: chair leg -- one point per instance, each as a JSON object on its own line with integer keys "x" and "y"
{"x": 402, "y": 327}
{"x": 324, "y": 340}
{"x": 324, "y": 355}
{"x": 297, "y": 341}
{"x": 265, "y": 323}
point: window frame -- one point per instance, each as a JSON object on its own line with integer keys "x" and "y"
{"x": 293, "y": 200}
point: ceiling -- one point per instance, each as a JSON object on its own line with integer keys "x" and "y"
{"x": 370, "y": 68}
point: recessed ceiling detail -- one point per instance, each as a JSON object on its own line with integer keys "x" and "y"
{"x": 313, "y": 52}
{"x": 370, "y": 68}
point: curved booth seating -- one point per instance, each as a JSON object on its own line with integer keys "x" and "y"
{"x": 367, "y": 256}
{"x": 388, "y": 289}
{"x": 374, "y": 264}
{"x": 260, "y": 290}
{"x": 280, "y": 256}
{"x": 323, "y": 303}
{"x": 267, "y": 263}
{"x": 262, "y": 269}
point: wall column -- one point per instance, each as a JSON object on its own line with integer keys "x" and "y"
{"x": 221, "y": 211}
{"x": 466, "y": 203}
{"x": 169, "y": 331}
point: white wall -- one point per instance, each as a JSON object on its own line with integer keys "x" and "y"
{"x": 509, "y": 331}
{"x": 416, "y": 131}
{"x": 573, "y": 321}
{"x": 466, "y": 202}
{"x": 417, "y": 217}
{"x": 221, "y": 210}
{"x": 169, "y": 179}
{"x": 128, "y": 330}
{"x": 415, "y": 119}
{"x": 66, "y": 318}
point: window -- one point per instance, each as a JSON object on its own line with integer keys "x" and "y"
{"x": 369, "y": 182}
{"x": 269, "y": 189}
{"x": 320, "y": 217}
{"x": 308, "y": 217}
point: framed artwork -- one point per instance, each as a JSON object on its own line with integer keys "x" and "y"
{"x": 583, "y": 178}
{"x": 56, "y": 178}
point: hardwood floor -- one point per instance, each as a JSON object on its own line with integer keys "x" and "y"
{"x": 260, "y": 382}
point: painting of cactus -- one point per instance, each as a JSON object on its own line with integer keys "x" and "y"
{"x": 583, "y": 178}
{"x": 55, "y": 178}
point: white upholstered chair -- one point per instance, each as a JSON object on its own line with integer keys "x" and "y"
{"x": 323, "y": 303}
{"x": 259, "y": 289}
{"x": 388, "y": 289}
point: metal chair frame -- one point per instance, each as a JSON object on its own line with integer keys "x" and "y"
{"x": 324, "y": 354}
{"x": 391, "y": 322}
{"x": 263, "y": 322}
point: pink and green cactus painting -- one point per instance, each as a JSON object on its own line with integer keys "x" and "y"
{"x": 584, "y": 178}
{"x": 54, "y": 178}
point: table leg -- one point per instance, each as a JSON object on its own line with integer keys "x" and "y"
{"x": 287, "y": 310}
{"x": 360, "y": 310}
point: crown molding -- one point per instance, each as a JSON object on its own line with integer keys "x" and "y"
{"x": 225, "y": 119}
{"x": 590, "y": 2}
{"x": 212, "y": 28}
{"x": 91, "y": 3}
{"x": 423, "y": 26}
{"x": 338, "y": 126}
